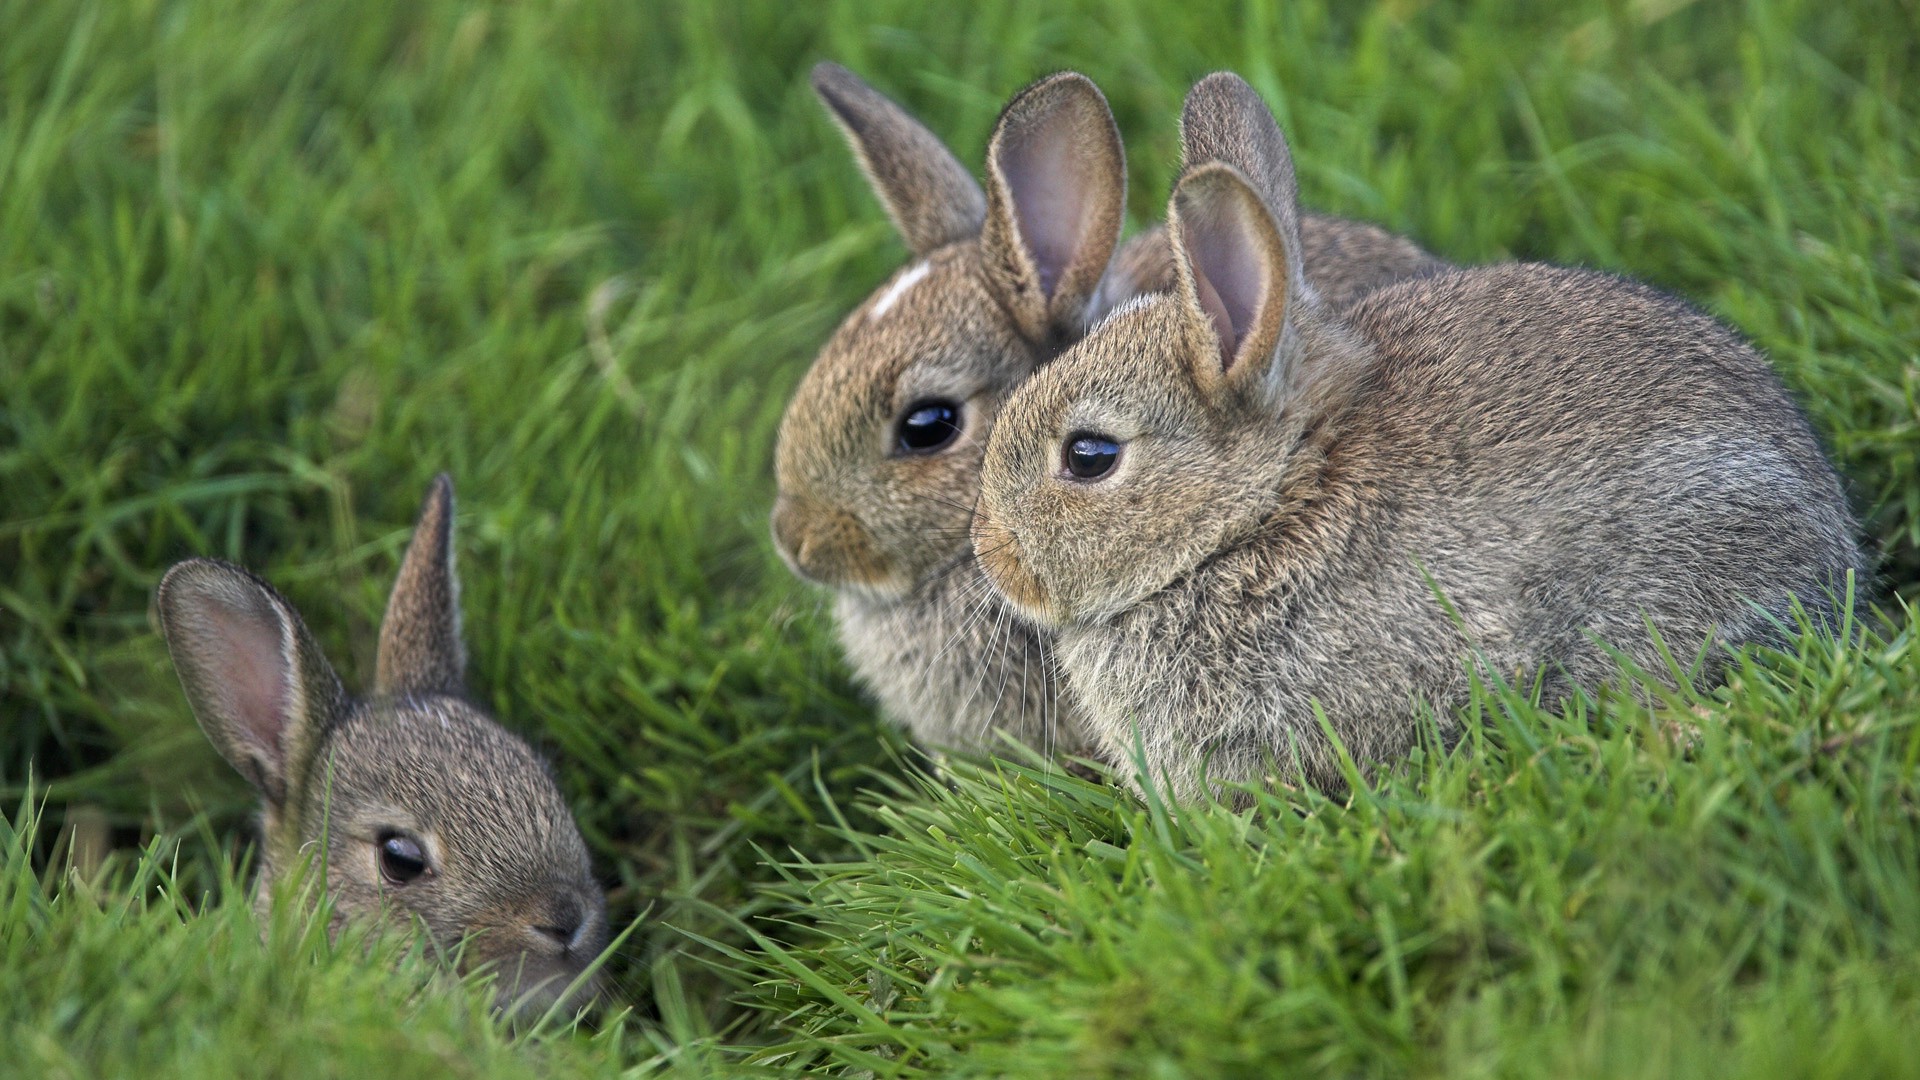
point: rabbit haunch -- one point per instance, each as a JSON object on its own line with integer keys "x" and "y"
{"x": 1566, "y": 457}
{"x": 1003, "y": 277}
{"x": 420, "y": 805}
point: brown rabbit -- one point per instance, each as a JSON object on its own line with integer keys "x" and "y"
{"x": 1235, "y": 505}
{"x": 879, "y": 452}
{"x": 420, "y": 804}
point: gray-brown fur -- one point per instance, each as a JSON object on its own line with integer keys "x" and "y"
{"x": 944, "y": 655}
{"x": 1566, "y": 455}
{"x": 508, "y": 874}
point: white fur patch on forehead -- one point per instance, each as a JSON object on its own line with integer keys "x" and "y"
{"x": 898, "y": 289}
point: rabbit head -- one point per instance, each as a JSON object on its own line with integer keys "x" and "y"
{"x": 879, "y": 451}
{"x": 1170, "y": 428}
{"x": 419, "y": 805}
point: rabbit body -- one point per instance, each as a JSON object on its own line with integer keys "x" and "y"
{"x": 1270, "y": 491}
{"x": 1559, "y": 477}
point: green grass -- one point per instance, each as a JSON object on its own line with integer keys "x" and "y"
{"x": 123, "y": 972}
{"x": 267, "y": 266}
{"x": 1608, "y": 892}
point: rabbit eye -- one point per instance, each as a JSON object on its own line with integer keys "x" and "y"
{"x": 401, "y": 858}
{"x": 928, "y": 425}
{"x": 1088, "y": 456}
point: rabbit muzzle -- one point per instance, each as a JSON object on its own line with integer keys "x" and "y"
{"x": 540, "y": 953}
{"x": 997, "y": 547}
{"x": 828, "y": 546}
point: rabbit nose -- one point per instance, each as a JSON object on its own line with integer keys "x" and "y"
{"x": 787, "y": 530}
{"x": 797, "y": 533}
{"x": 566, "y": 925}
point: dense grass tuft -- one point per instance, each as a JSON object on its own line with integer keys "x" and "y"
{"x": 1688, "y": 868}
{"x": 132, "y": 969}
{"x": 267, "y": 266}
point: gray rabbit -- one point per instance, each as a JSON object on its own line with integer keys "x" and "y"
{"x": 1234, "y": 504}
{"x": 426, "y": 807}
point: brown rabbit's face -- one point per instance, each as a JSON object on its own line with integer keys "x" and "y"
{"x": 880, "y": 448}
{"x": 1107, "y": 478}
{"x": 879, "y": 454}
{"x": 432, "y": 812}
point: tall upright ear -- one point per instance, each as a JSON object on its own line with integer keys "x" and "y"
{"x": 930, "y": 196}
{"x": 420, "y": 650}
{"x": 253, "y": 675}
{"x": 1056, "y": 196}
{"x": 1234, "y": 271}
{"x": 1225, "y": 119}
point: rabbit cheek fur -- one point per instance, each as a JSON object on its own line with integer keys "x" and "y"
{"x": 490, "y": 861}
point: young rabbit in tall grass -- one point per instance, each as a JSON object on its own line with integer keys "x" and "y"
{"x": 1236, "y": 506}
{"x": 419, "y": 805}
{"x": 879, "y": 452}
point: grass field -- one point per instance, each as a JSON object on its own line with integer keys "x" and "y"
{"x": 267, "y": 266}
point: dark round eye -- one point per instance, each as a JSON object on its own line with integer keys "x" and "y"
{"x": 928, "y": 425}
{"x": 1090, "y": 457}
{"x": 401, "y": 859}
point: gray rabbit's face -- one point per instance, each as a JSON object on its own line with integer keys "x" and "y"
{"x": 1185, "y": 419}
{"x": 1110, "y": 473}
{"x": 432, "y": 812}
{"x": 880, "y": 449}
{"x": 879, "y": 455}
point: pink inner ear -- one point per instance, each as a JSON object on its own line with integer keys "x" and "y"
{"x": 1227, "y": 267}
{"x": 1216, "y": 310}
{"x": 248, "y": 670}
{"x": 1050, "y": 196}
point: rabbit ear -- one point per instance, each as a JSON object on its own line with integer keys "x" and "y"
{"x": 1056, "y": 194}
{"x": 930, "y": 196}
{"x": 1235, "y": 273}
{"x": 1237, "y": 238}
{"x": 420, "y": 650}
{"x": 256, "y": 680}
{"x": 1224, "y": 119}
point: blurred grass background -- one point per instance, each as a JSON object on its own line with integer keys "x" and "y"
{"x": 266, "y": 266}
